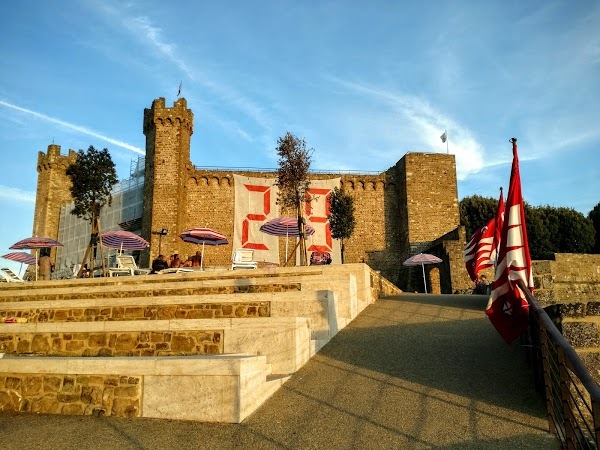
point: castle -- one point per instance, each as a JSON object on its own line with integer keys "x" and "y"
{"x": 409, "y": 208}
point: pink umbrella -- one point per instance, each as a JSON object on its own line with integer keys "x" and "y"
{"x": 285, "y": 226}
{"x": 35, "y": 242}
{"x": 123, "y": 240}
{"x": 420, "y": 260}
{"x": 204, "y": 236}
{"x": 22, "y": 257}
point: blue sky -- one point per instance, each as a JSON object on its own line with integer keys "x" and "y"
{"x": 363, "y": 82}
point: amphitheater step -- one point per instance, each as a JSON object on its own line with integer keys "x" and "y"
{"x": 285, "y": 341}
{"x": 215, "y": 388}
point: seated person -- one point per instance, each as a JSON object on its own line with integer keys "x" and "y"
{"x": 159, "y": 264}
{"x": 483, "y": 286}
{"x": 194, "y": 261}
{"x": 176, "y": 262}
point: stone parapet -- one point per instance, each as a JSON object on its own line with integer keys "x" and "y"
{"x": 72, "y": 394}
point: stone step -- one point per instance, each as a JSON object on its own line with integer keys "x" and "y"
{"x": 215, "y": 388}
{"x": 320, "y": 307}
{"x": 168, "y": 278}
{"x": 286, "y": 341}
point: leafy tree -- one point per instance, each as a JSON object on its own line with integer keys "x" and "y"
{"x": 341, "y": 216}
{"x": 92, "y": 177}
{"x": 549, "y": 229}
{"x": 476, "y": 211}
{"x": 540, "y": 239}
{"x": 292, "y": 180}
{"x": 594, "y": 216}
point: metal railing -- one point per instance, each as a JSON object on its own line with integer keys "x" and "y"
{"x": 572, "y": 395}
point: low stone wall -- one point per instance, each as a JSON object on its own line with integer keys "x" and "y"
{"x": 111, "y": 395}
{"x": 153, "y": 312}
{"x": 114, "y": 344}
{"x": 154, "y": 291}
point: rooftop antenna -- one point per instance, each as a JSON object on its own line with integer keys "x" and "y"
{"x": 179, "y": 90}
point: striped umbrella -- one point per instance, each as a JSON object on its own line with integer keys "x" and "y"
{"x": 204, "y": 236}
{"x": 22, "y": 257}
{"x": 420, "y": 260}
{"x": 285, "y": 226}
{"x": 35, "y": 242}
{"x": 123, "y": 240}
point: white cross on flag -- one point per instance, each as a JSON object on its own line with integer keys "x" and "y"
{"x": 508, "y": 309}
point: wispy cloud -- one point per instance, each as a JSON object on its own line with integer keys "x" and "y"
{"x": 425, "y": 125}
{"x": 14, "y": 194}
{"x": 77, "y": 128}
{"x": 144, "y": 30}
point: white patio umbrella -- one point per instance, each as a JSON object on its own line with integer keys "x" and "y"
{"x": 420, "y": 260}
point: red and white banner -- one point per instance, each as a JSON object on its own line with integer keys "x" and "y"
{"x": 255, "y": 204}
{"x": 508, "y": 309}
{"x": 480, "y": 252}
{"x": 315, "y": 213}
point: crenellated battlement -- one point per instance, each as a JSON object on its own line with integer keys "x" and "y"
{"x": 53, "y": 158}
{"x": 159, "y": 115}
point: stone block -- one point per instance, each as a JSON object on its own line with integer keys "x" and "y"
{"x": 46, "y": 405}
{"x": 125, "y": 407}
{"x": 32, "y": 386}
{"x": 581, "y": 334}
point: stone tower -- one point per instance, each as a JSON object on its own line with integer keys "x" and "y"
{"x": 168, "y": 132}
{"x": 53, "y": 190}
{"x": 428, "y": 198}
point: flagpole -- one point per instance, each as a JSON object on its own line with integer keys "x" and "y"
{"x": 444, "y": 138}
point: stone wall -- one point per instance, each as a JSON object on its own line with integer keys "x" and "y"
{"x": 141, "y": 343}
{"x": 153, "y": 291}
{"x": 111, "y": 395}
{"x": 154, "y": 312}
{"x": 569, "y": 288}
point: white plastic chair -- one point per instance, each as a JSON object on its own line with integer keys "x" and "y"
{"x": 126, "y": 262}
{"x": 10, "y": 276}
{"x": 243, "y": 259}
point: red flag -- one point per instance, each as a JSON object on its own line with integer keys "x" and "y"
{"x": 480, "y": 252}
{"x": 508, "y": 309}
{"x": 498, "y": 231}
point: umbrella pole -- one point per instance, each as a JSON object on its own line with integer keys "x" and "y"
{"x": 424, "y": 279}
{"x": 36, "y": 264}
{"x": 202, "y": 257}
{"x": 286, "y": 246}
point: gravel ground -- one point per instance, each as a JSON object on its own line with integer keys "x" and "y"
{"x": 410, "y": 372}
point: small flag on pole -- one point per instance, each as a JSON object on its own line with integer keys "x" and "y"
{"x": 179, "y": 90}
{"x": 444, "y": 136}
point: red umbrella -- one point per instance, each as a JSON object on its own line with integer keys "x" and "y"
{"x": 285, "y": 226}
{"x": 22, "y": 257}
{"x": 123, "y": 240}
{"x": 35, "y": 242}
{"x": 204, "y": 236}
{"x": 420, "y": 260}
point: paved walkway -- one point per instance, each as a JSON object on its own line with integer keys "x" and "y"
{"x": 411, "y": 372}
